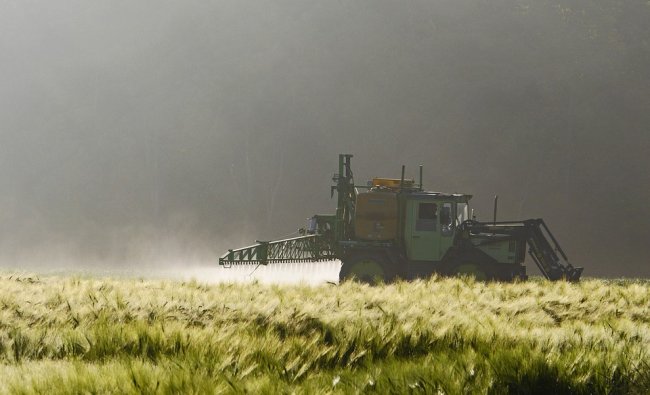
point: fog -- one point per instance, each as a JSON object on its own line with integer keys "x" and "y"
{"x": 151, "y": 135}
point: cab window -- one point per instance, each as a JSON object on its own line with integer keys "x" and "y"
{"x": 446, "y": 216}
{"x": 427, "y": 217}
{"x": 462, "y": 213}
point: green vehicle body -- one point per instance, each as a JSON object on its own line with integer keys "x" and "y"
{"x": 432, "y": 234}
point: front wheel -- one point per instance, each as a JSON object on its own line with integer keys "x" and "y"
{"x": 365, "y": 268}
{"x": 470, "y": 263}
{"x": 472, "y": 270}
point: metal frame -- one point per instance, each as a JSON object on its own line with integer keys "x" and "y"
{"x": 309, "y": 248}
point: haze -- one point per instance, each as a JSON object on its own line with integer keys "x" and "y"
{"x": 157, "y": 133}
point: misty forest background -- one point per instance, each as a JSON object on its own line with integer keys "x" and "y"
{"x": 138, "y": 131}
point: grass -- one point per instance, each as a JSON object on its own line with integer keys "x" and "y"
{"x": 80, "y": 335}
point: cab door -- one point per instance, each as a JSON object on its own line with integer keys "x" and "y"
{"x": 422, "y": 233}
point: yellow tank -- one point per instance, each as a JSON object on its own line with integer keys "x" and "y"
{"x": 391, "y": 182}
{"x": 376, "y": 215}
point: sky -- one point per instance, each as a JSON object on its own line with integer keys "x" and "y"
{"x": 150, "y": 132}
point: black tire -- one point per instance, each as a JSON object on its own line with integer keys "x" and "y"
{"x": 473, "y": 264}
{"x": 366, "y": 268}
{"x": 472, "y": 270}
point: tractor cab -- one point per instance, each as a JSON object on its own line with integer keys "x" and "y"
{"x": 430, "y": 223}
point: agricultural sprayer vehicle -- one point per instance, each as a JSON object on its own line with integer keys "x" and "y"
{"x": 393, "y": 228}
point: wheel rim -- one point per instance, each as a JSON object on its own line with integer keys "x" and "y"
{"x": 367, "y": 270}
{"x": 470, "y": 269}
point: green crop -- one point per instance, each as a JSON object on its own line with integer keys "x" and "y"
{"x": 80, "y": 335}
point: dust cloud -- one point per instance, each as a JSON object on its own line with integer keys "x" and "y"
{"x": 154, "y": 135}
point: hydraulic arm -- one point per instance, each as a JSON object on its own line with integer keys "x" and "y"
{"x": 547, "y": 255}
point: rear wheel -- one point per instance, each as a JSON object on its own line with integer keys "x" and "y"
{"x": 365, "y": 268}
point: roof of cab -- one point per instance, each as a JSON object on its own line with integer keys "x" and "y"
{"x": 457, "y": 197}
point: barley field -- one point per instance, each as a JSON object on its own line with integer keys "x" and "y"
{"x": 71, "y": 334}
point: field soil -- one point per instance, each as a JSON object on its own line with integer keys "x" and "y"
{"x": 70, "y": 334}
